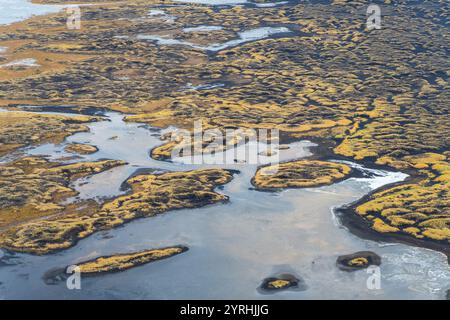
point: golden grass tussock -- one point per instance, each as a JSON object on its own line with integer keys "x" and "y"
{"x": 358, "y": 262}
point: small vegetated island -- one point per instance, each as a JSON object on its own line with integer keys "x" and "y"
{"x": 376, "y": 97}
{"x": 121, "y": 262}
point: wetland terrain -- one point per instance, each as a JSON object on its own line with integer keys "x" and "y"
{"x": 358, "y": 177}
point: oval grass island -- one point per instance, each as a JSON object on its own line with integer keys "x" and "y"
{"x": 300, "y": 174}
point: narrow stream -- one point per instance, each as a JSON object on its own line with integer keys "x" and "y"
{"x": 233, "y": 246}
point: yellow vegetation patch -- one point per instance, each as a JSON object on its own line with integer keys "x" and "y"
{"x": 123, "y": 262}
{"x": 413, "y": 231}
{"x": 216, "y": 140}
{"x": 380, "y": 226}
{"x": 278, "y": 284}
{"x": 81, "y": 148}
{"x": 19, "y": 129}
{"x": 437, "y": 234}
{"x": 300, "y": 174}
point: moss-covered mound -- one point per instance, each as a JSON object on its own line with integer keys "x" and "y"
{"x": 113, "y": 263}
{"x": 150, "y": 195}
{"x": 80, "y": 148}
{"x": 32, "y": 187}
{"x": 19, "y": 129}
{"x": 300, "y": 174}
{"x": 419, "y": 209}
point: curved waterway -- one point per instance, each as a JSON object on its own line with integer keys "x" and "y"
{"x": 233, "y": 246}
